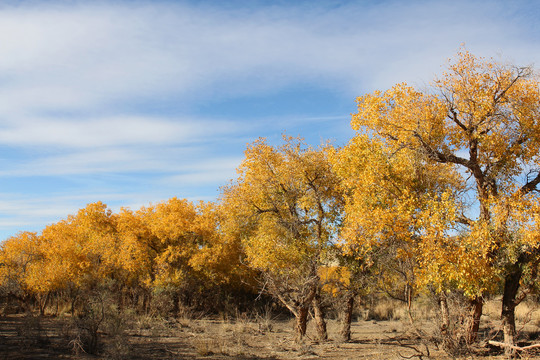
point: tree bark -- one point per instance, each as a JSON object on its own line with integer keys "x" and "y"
{"x": 176, "y": 303}
{"x": 347, "y": 319}
{"x": 73, "y": 301}
{"x": 511, "y": 287}
{"x": 300, "y": 310}
{"x": 445, "y": 314}
{"x": 43, "y": 300}
{"x": 57, "y": 297}
{"x": 320, "y": 323}
{"x": 301, "y": 322}
{"x": 473, "y": 321}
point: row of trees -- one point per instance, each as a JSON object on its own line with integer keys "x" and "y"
{"x": 172, "y": 247}
{"x": 437, "y": 192}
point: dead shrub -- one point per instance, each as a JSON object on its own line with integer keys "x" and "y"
{"x": 87, "y": 324}
{"x": 163, "y": 302}
{"x": 453, "y": 337}
{"x": 100, "y": 318}
{"x": 383, "y": 309}
{"x": 264, "y": 319}
{"x": 207, "y": 347}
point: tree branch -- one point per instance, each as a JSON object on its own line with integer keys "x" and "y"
{"x": 455, "y": 119}
{"x": 530, "y": 186}
{"x": 262, "y": 211}
{"x": 442, "y": 157}
{"x": 514, "y": 347}
{"x": 462, "y": 219}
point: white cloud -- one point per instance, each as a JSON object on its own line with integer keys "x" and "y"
{"x": 77, "y": 57}
{"x": 113, "y": 160}
{"x": 110, "y": 131}
{"x": 212, "y": 171}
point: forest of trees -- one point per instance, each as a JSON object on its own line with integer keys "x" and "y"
{"x": 436, "y": 195}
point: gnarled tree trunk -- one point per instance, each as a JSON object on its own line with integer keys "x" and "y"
{"x": 301, "y": 322}
{"x": 320, "y": 323}
{"x": 300, "y": 310}
{"x": 445, "y": 314}
{"x": 511, "y": 287}
{"x": 347, "y": 318}
{"x": 473, "y": 320}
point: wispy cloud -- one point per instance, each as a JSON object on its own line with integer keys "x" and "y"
{"x": 111, "y": 131}
{"x": 87, "y": 55}
{"x": 207, "y": 172}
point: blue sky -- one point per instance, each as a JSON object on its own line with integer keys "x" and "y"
{"x": 134, "y": 102}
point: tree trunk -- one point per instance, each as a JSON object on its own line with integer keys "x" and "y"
{"x": 347, "y": 319}
{"x": 57, "y": 297}
{"x": 473, "y": 320}
{"x": 43, "y": 303}
{"x": 445, "y": 314}
{"x": 176, "y": 304}
{"x": 147, "y": 301}
{"x": 320, "y": 323}
{"x": 301, "y": 322}
{"x": 73, "y": 301}
{"x": 511, "y": 287}
{"x": 121, "y": 297}
{"x": 451, "y": 341}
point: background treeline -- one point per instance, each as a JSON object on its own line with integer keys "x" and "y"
{"x": 169, "y": 252}
{"x": 435, "y": 196}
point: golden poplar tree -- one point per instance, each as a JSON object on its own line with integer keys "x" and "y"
{"x": 396, "y": 204}
{"x": 481, "y": 118}
{"x": 21, "y": 261}
{"x": 285, "y": 207}
{"x": 80, "y": 252}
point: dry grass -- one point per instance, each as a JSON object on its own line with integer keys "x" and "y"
{"x": 262, "y": 337}
{"x": 528, "y": 312}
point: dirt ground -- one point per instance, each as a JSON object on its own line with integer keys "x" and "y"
{"x": 24, "y": 337}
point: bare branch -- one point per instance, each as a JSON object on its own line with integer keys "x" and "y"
{"x": 514, "y": 347}
{"x": 455, "y": 119}
{"x": 262, "y": 211}
{"x": 462, "y": 219}
{"x": 530, "y": 185}
{"x": 521, "y": 72}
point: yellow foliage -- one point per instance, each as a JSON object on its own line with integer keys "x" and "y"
{"x": 284, "y": 206}
{"x": 419, "y": 157}
{"x": 334, "y": 278}
{"x": 19, "y": 259}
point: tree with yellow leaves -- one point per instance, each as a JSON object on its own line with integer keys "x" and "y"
{"x": 21, "y": 257}
{"x": 80, "y": 252}
{"x": 67, "y": 257}
{"x": 219, "y": 259}
{"x": 390, "y": 197}
{"x": 285, "y": 206}
{"x": 159, "y": 242}
{"x": 482, "y": 120}
{"x": 175, "y": 248}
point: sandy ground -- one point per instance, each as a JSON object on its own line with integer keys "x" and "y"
{"x": 47, "y": 338}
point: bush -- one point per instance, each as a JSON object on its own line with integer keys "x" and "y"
{"x": 99, "y": 314}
